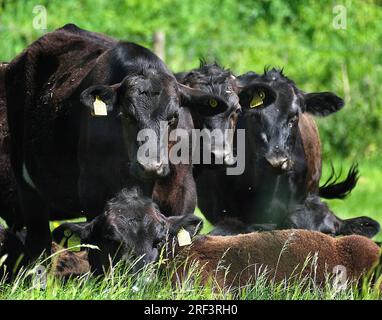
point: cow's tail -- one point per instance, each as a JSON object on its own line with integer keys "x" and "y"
{"x": 332, "y": 189}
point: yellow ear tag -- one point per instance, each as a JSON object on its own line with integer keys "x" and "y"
{"x": 73, "y": 240}
{"x": 213, "y": 103}
{"x": 257, "y": 100}
{"x": 99, "y": 107}
{"x": 184, "y": 238}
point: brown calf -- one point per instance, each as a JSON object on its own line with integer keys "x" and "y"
{"x": 238, "y": 260}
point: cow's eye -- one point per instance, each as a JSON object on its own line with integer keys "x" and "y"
{"x": 213, "y": 103}
{"x": 292, "y": 121}
{"x": 159, "y": 243}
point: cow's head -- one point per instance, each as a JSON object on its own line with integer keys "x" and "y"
{"x": 143, "y": 99}
{"x": 131, "y": 227}
{"x": 273, "y": 131}
{"x": 216, "y": 115}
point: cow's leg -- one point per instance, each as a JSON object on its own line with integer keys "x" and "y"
{"x": 36, "y": 216}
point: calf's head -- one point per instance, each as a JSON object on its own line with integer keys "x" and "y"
{"x": 218, "y": 115}
{"x": 273, "y": 131}
{"x": 131, "y": 227}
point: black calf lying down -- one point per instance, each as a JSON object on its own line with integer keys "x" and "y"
{"x": 313, "y": 215}
{"x": 131, "y": 226}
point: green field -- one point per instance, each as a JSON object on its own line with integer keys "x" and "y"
{"x": 300, "y": 36}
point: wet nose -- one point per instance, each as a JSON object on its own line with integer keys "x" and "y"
{"x": 153, "y": 167}
{"x": 278, "y": 162}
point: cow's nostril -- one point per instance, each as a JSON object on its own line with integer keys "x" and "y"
{"x": 158, "y": 165}
{"x": 284, "y": 166}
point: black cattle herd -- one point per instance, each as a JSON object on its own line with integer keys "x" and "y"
{"x": 60, "y": 160}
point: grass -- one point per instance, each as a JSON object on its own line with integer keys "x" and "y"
{"x": 153, "y": 283}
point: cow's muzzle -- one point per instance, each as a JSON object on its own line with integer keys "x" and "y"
{"x": 279, "y": 163}
{"x": 154, "y": 168}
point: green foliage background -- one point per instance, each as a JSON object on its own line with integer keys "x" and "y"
{"x": 245, "y": 35}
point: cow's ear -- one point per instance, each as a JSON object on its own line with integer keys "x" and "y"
{"x": 100, "y": 99}
{"x": 190, "y": 223}
{"x": 256, "y": 96}
{"x": 68, "y": 230}
{"x": 322, "y": 103}
{"x": 204, "y": 104}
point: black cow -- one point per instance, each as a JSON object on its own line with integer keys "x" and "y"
{"x": 131, "y": 227}
{"x": 280, "y": 154}
{"x": 67, "y": 158}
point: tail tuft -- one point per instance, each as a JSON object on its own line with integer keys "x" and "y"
{"x": 332, "y": 189}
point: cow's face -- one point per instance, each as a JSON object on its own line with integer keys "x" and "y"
{"x": 222, "y": 83}
{"x": 216, "y": 117}
{"x": 145, "y": 101}
{"x": 131, "y": 227}
{"x": 273, "y": 131}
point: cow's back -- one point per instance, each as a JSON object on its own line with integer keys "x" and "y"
{"x": 44, "y": 109}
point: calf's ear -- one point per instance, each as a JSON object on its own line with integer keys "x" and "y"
{"x": 204, "y": 104}
{"x": 256, "y": 95}
{"x": 100, "y": 99}
{"x": 68, "y": 230}
{"x": 322, "y": 103}
{"x": 190, "y": 223}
